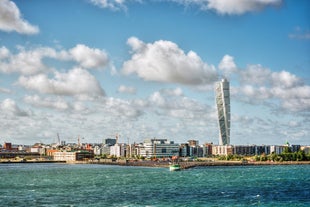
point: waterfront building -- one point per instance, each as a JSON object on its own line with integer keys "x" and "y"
{"x": 118, "y": 150}
{"x": 64, "y": 156}
{"x": 243, "y": 149}
{"x": 222, "y": 150}
{"x": 73, "y": 156}
{"x": 295, "y": 148}
{"x": 222, "y": 98}
{"x": 131, "y": 150}
{"x": 277, "y": 149}
{"x": 21, "y": 154}
{"x": 50, "y": 152}
{"x": 159, "y": 148}
{"x": 207, "y": 149}
{"x": 264, "y": 149}
{"x": 306, "y": 149}
{"x": 7, "y": 146}
{"x": 184, "y": 150}
{"x": 97, "y": 150}
{"x": 105, "y": 149}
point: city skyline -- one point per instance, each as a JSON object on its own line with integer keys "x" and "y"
{"x": 148, "y": 69}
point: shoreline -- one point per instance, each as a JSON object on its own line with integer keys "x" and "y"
{"x": 183, "y": 165}
{"x": 187, "y": 165}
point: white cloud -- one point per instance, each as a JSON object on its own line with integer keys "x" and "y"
{"x": 261, "y": 84}
{"x": 173, "y": 92}
{"x": 11, "y": 19}
{"x": 227, "y": 65}
{"x": 255, "y": 75}
{"x": 126, "y": 89}
{"x": 285, "y": 79}
{"x": 8, "y": 106}
{"x": 110, "y": 4}
{"x": 236, "y": 7}
{"x": 304, "y": 36}
{"x": 25, "y": 62}
{"x": 121, "y": 108}
{"x": 164, "y": 61}
{"x": 30, "y": 62}
{"x": 296, "y": 105}
{"x": 76, "y": 82}
{"x": 4, "y": 53}
{"x": 89, "y": 57}
{"x": 173, "y": 103}
{"x": 5, "y": 90}
{"x": 300, "y": 34}
{"x": 37, "y": 101}
{"x": 256, "y": 93}
{"x": 230, "y": 7}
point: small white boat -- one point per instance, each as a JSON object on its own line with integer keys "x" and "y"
{"x": 174, "y": 167}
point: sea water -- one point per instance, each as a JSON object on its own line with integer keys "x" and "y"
{"x": 103, "y": 185}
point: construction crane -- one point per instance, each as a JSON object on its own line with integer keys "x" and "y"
{"x": 79, "y": 141}
{"x": 116, "y": 137}
{"x": 58, "y": 139}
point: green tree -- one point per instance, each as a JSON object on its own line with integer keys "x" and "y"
{"x": 287, "y": 150}
{"x": 301, "y": 156}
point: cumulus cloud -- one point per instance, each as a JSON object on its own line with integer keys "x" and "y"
{"x": 37, "y": 101}
{"x": 76, "y": 82}
{"x": 11, "y": 19}
{"x": 230, "y": 7}
{"x": 26, "y": 62}
{"x": 126, "y": 89}
{"x": 227, "y": 65}
{"x": 8, "y": 106}
{"x": 285, "y": 79}
{"x": 30, "y": 62}
{"x": 164, "y": 61}
{"x": 4, "y": 53}
{"x": 233, "y": 7}
{"x": 175, "y": 104}
{"x": 261, "y": 84}
{"x": 255, "y": 75}
{"x": 172, "y": 92}
{"x": 122, "y": 108}
{"x": 89, "y": 57}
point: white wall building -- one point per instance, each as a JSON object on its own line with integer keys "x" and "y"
{"x": 118, "y": 150}
{"x": 65, "y": 156}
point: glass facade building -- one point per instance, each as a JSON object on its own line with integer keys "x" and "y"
{"x": 223, "y": 111}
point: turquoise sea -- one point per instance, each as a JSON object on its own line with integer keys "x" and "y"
{"x": 102, "y": 185}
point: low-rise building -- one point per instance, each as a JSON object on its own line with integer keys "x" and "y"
{"x": 159, "y": 148}
{"x": 73, "y": 156}
{"x": 222, "y": 150}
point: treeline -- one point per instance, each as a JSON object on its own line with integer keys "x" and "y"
{"x": 286, "y": 155}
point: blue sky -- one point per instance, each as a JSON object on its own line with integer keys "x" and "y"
{"x": 144, "y": 69}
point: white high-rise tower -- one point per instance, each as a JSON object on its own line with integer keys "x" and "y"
{"x": 223, "y": 110}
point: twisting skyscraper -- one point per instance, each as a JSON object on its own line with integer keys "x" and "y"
{"x": 223, "y": 110}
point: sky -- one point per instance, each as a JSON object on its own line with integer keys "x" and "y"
{"x": 147, "y": 68}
